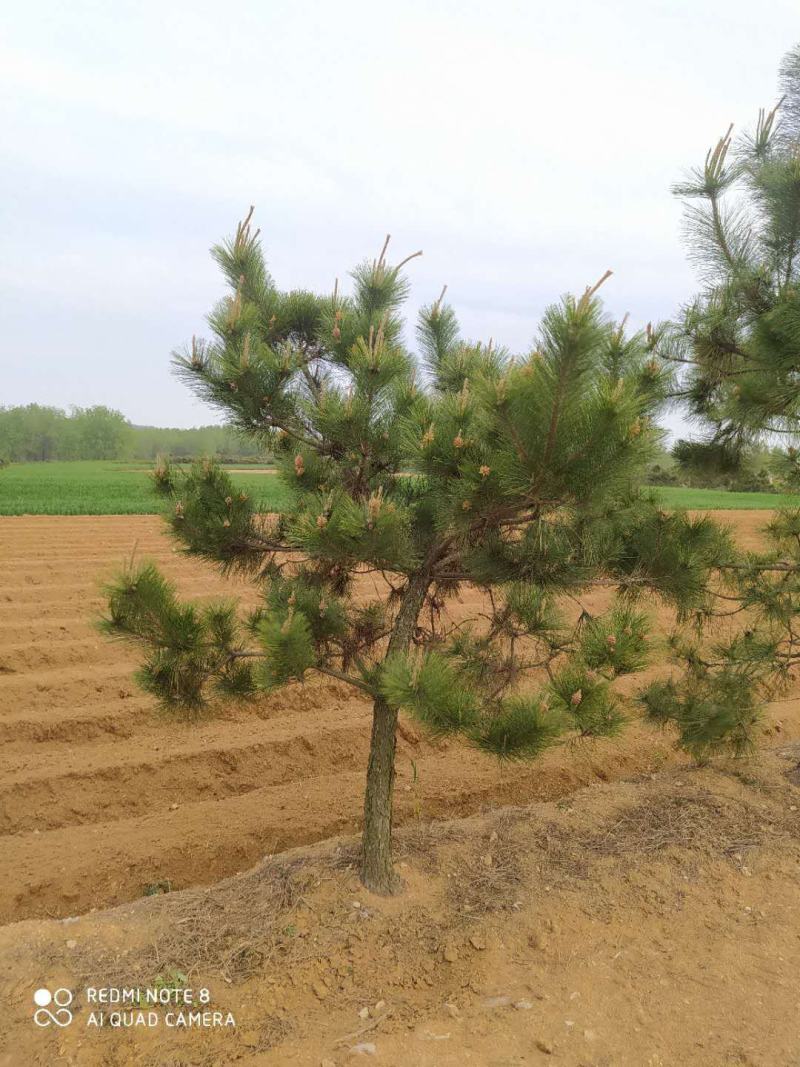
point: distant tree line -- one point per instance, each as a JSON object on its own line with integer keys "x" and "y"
{"x": 754, "y": 469}
{"x": 35, "y": 433}
{"x": 148, "y": 442}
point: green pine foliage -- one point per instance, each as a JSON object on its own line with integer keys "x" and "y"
{"x": 736, "y": 351}
{"x": 738, "y": 343}
{"x": 467, "y": 464}
{"x": 617, "y": 643}
{"x": 711, "y": 713}
{"x": 433, "y": 689}
{"x": 288, "y": 649}
{"x": 585, "y": 699}
{"x": 188, "y": 647}
{"x": 521, "y": 729}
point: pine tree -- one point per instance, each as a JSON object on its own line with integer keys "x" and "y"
{"x": 520, "y": 476}
{"x": 738, "y": 342}
{"x": 736, "y": 349}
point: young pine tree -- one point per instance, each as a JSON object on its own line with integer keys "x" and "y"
{"x": 516, "y": 475}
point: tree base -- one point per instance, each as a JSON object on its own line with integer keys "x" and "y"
{"x": 382, "y": 885}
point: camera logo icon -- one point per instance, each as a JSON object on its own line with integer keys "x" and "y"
{"x": 52, "y": 1007}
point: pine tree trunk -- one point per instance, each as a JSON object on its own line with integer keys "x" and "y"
{"x": 377, "y": 870}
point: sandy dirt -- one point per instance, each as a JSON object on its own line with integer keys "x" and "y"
{"x": 102, "y": 795}
{"x": 648, "y": 923}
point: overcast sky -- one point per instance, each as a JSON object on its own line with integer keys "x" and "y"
{"x": 526, "y": 147}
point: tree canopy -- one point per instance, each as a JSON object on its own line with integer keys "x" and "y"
{"x": 412, "y": 475}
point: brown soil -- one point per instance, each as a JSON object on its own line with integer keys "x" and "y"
{"x": 650, "y": 923}
{"x": 102, "y": 795}
{"x": 628, "y": 910}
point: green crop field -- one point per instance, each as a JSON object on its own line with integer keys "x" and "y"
{"x": 111, "y": 488}
{"x": 106, "y": 488}
{"x": 721, "y": 499}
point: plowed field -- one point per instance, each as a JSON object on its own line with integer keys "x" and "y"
{"x": 103, "y": 796}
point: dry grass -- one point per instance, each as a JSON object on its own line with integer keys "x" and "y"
{"x": 232, "y": 930}
{"x": 236, "y": 929}
{"x": 699, "y": 820}
{"x": 488, "y": 877}
{"x": 345, "y": 856}
{"x": 690, "y": 818}
{"x": 421, "y": 843}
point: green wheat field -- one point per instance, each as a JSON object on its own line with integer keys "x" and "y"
{"x": 100, "y": 487}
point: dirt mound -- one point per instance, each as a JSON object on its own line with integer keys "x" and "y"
{"x": 639, "y": 923}
{"x": 102, "y": 796}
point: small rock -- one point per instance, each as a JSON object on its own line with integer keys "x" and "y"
{"x": 363, "y": 1013}
{"x": 356, "y": 903}
{"x": 364, "y": 1048}
{"x": 523, "y": 1005}
{"x": 450, "y": 953}
{"x": 589, "y": 1035}
{"x": 544, "y": 1046}
{"x": 173, "y": 807}
{"x": 486, "y": 860}
{"x": 452, "y": 1011}
{"x": 477, "y": 942}
{"x": 379, "y": 1007}
{"x": 71, "y": 943}
{"x": 493, "y": 835}
{"x": 539, "y": 940}
{"x": 320, "y": 990}
{"x": 250, "y": 1038}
